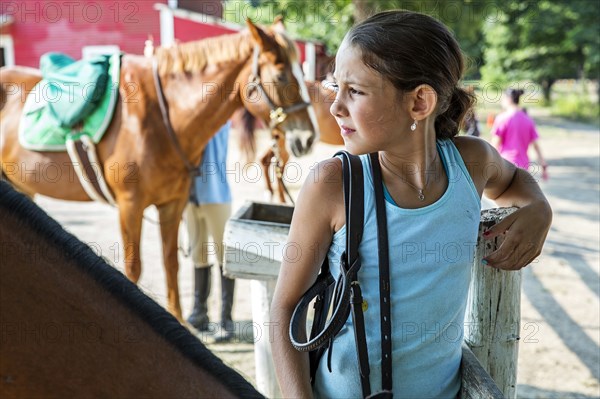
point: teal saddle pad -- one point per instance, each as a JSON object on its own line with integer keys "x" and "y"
{"x": 74, "y": 98}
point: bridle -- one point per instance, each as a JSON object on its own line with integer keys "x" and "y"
{"x": 277, "y": 115}
{"x": 279, "y": 163}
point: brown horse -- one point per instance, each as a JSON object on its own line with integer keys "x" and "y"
{"x": 74, "y": 327}
{"x": 203, "y": 83}
{"x": 277, "y": 155}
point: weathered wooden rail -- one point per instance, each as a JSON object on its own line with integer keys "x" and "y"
{"x": 255, "y": 239}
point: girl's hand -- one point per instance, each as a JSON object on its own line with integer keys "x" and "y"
{"x": 545, "y": 172}
{"x": 524, "y": 231}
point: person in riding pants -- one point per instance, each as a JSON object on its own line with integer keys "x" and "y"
{"x": 205, "y": 215}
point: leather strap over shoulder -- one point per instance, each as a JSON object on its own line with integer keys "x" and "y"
{"x": 354, "y": 201}
{"x": 384, "y": 276}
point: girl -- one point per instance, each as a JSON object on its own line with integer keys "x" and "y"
{"x": 514, "y": 131}
{"x": 397, "y": 76}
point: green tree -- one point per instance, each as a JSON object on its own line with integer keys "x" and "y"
{"x": 323, "y": 20}
{"x": 329, "y": 20}
{"x": 542, "y": 41}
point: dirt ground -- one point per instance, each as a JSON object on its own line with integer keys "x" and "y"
{"x": 559, "y": 354}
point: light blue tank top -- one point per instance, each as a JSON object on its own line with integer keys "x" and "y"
{"x": 431, "y": 253}
{"x": 211, "y": 186}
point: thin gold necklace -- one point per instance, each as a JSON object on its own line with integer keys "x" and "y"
{"x": 420, "y": 191}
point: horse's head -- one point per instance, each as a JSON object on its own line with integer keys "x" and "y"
{"x": 276, "y": 91}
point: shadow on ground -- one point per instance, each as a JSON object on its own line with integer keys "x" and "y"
{"x": 569, "y": 331}
{"x": 531, "y": 392}
{"x": 243, "y": 332}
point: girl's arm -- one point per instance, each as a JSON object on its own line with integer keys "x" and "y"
{"x": 538, "y": 151}
{"x": 526, "y": 229}
{"x": 541, "y": 160}
{"x": 316, "y": 217}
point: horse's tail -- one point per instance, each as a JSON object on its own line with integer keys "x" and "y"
{"x": 247, "y": 138}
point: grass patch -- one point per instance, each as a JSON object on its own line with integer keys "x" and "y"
{"x": 576, "y": 108}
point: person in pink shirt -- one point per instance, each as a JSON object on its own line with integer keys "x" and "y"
{"x": 514, "y": 131}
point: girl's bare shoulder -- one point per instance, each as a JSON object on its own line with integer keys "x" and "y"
{"x": 478, "y": 155}
{"x": 474, "y": 150}
{"x": 322, "y": 192}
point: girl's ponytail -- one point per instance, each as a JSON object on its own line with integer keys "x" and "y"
{"x": 448, "y": 123}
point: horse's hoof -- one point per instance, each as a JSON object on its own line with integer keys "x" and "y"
{"x": 199, "y": 322}
{"x": 224, "y": 337}
{"x": 226, "y": 333}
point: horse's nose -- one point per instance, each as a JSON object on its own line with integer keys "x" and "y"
{"x": 300, "y": 142}
{"x": 297, "y": 148}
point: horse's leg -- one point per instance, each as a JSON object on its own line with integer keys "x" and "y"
{"x": 285, "y": 157}
{"x": 265, "y": 161}
{"x": 130, "y": 216}
{"x": 170, "y": 216}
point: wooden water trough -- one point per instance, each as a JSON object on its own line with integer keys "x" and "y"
{"x": 255, "y": 240}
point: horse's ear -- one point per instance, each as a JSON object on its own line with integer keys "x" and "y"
{"x": 278, "y": 25}
{"x": 259, "y": 35}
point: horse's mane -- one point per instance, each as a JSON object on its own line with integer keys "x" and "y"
{"x": 196, "y": 55}
{"x": 288, "y": 46}
{"x": 34, "y": 219}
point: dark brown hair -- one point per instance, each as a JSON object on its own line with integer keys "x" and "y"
{"x": 514, "y": 94}
{"x": 410, "y": 49}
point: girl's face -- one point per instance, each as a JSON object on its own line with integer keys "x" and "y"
{"x": 367, "y": 106}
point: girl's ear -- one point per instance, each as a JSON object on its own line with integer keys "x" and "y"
{"x": 423, "y": 102}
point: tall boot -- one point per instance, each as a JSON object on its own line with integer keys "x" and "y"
{"x": 227, "y": 325}
{"x": 199, "y": 317}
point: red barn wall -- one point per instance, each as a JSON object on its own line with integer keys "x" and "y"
{"x": 68, "y": 26}
{"x": 187, "y": 30}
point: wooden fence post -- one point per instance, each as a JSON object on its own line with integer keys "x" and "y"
{"x": 262, "y": 294}
{"x": 492, "y": 321}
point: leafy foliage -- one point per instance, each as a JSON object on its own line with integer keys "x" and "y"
{"x": 326, "y": 21}
{"x": 329, "y": 20}
{"x": 506, "y": 41}
{"x": 543, "y": 41}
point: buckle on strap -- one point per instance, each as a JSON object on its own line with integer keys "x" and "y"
{"x": 277, "y": 116}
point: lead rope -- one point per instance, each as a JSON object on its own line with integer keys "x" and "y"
{"x": 279, "y": 167}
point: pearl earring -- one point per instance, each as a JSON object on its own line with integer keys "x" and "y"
{"x": 413, "y": 127}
